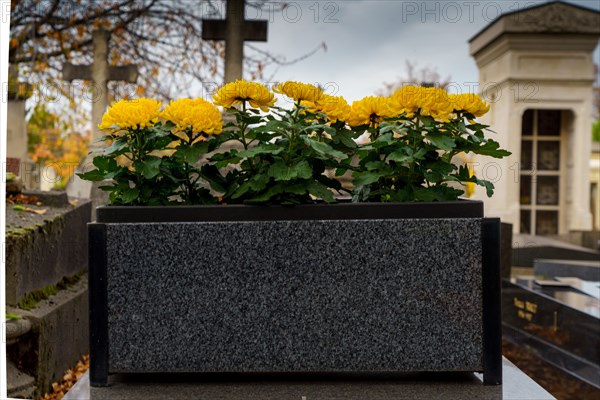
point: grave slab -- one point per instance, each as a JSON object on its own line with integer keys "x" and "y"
{"x": 42, "y": 249}
{"x": 557, "y": 321}
{"x": 527, "y": 248}
{"x": 586, "y": 270}
{"x": 57, "y": 339}
{"x": 517, "y": 386}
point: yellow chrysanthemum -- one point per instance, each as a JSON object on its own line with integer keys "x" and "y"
{"x": 335, "y": 107}
{"x": 469, "y": 102}
{"x": 370, "y": 110}
{"x": 131, "y": 114}
{"x": 299, "y": 91}
{"x": 432, "y": 102}
{"x": 406, "y": 100}
{"x": 259, "y": 96}
{"x": 437, "y": 104}
{"x": 198, "y": 114}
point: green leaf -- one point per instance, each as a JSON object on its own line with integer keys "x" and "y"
{"x": 118, "y": 147}
{"x": 345, "y": 137}
{"x": 436, "y": 193}
{"x": 151, "y": 167}
{"x": 366, "y": 178}
{"x": 400, "y": 156}
{"x": 130, "y": 195}
{"x": 261, "y": 149}
{"x": 375, "y": 165}
{"x": 105, "y": 163}
{"x": 420, "y": 154}
{"x": 191, "y": 154}
{"x": 93, "y": 175}
{"x": 259, "y": 182}
{"x": 9, "y": 316}
{"x": 321, "y": 191}
{"x": 210, "y": 173}
{"x": 324, "y": 149}
{"x": 267, "y": 195}
{"x": 280, "y": 171}
{"x": 222, "y": 160}
{"x": 443, "y": 142}
{"x": 492, "y": 148}
{"x": 384, "y": 140}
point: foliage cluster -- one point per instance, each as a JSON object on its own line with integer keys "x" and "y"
{"x": 183, "y": 153}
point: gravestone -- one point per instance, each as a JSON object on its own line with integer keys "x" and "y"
{"x": 528, "y": 248}
{"x": 558, "y": 319}
{"x": 234, "y": 30}
{"x": 586, "y": 270}
{"x": 18, "y": 160}
{"x": 100, "y": 72}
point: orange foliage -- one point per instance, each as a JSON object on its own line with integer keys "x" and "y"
{"x": 49, "y": 145}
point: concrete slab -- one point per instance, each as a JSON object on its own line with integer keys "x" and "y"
{"x": 517, "y": 386}
{"x": 42, "y": 249}
{"x": 20, "y": 384}
{"x": 59, "y": 336}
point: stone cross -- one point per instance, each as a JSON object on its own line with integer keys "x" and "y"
{"x": 100, "y": 73}
{"x": 234, "y": 30}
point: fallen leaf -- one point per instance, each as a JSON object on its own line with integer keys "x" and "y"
{"x": 39, "y": 212}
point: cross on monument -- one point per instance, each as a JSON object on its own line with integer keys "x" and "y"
{"x": 100, "y": 72}
{"x": 234, "y": 30}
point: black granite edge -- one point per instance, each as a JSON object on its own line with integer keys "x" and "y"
{"x": 492, "y": 300}
{"x": 545, "y": 296}
{"x": 98, "y": 303}
{"x": 295, "y": 376}
{"x": 338, "y": 211}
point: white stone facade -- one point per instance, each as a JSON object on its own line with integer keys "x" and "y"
{"x": 539, "y": 59}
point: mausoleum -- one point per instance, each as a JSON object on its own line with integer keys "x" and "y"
{"x": 536, "y": 67}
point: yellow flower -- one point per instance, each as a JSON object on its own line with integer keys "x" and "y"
{"x": 198, "y": 114}
{"x": 335, "y": 107}
{"x": 427, "y": 101}
{"x": 370, "y": 110}
{"x": 469, "y": 102}
{"x": 406, "y": 100}
{"x": 299, "y": 91}
{"x": 131, "y": 114}
{"x": 239, "y": 91}
{"x": 436, "y": 103}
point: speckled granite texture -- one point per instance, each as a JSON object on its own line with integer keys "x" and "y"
{"x": 369, "y": 295}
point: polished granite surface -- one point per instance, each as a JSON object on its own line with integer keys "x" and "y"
{"x": 517, "y": 386}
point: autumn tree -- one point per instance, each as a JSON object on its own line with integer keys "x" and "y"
{"x": 415, "y": 75}
{"x": 52, "y": 144}
{"x": 163, "y": 37}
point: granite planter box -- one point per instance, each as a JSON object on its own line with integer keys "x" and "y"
{"x": 316, "y": 288}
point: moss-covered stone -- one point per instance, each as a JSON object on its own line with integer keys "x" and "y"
{"x": 31, "y": 299}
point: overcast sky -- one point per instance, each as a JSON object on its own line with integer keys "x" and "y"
{"x": 369, "y": 41}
